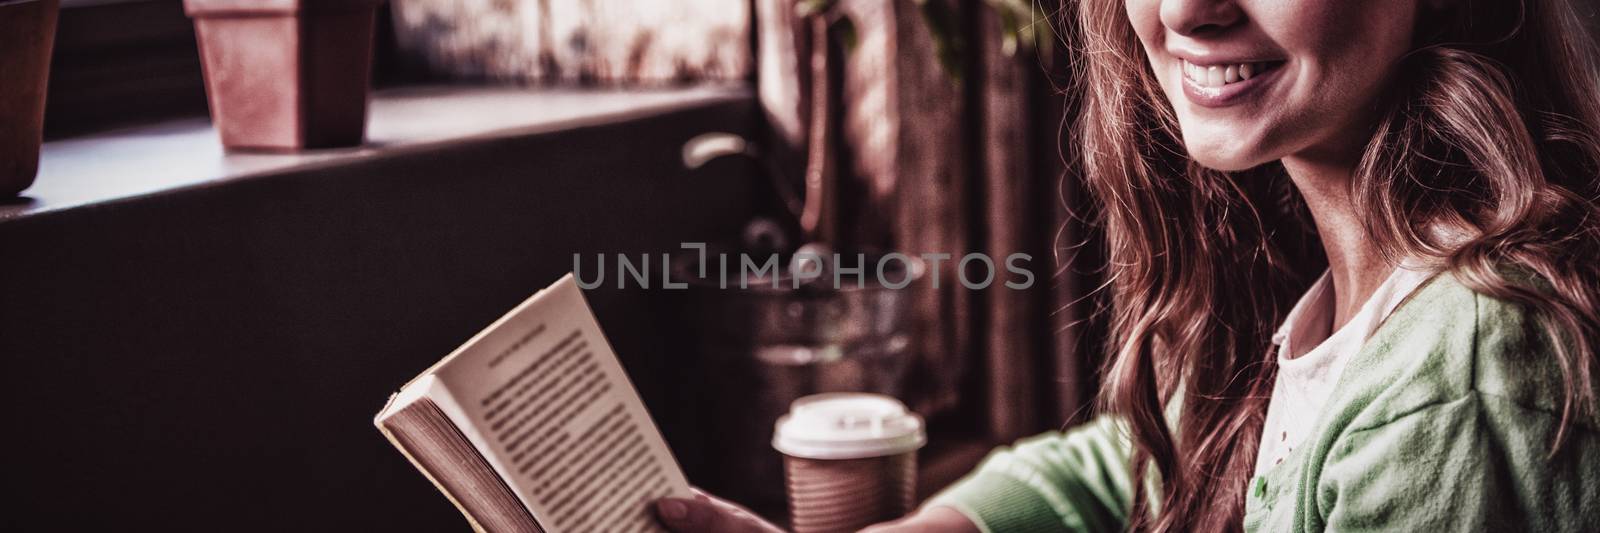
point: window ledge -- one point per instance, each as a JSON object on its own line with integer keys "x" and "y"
{"x": 181, "y": 154}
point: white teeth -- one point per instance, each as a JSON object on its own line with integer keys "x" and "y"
{"x": 1217, "y": 76}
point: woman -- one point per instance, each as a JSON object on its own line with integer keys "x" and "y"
{"x": 1441, "y": 372}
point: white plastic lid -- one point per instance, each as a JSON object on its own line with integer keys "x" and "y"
{"x": 848, "y": 425}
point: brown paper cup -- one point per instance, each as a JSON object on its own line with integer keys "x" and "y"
{"x": 849, "y": 494}
{"x": 849, "y": 461}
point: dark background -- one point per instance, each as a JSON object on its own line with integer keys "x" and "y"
{"x": 212, "y": 358}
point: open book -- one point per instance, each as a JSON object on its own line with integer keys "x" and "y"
{"x": 533, "y": 426}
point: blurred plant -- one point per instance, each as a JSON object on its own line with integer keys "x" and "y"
{"x": 1024, "y": 27}
{"x": 948, "y": 43}
{"x": 841, "y": 25}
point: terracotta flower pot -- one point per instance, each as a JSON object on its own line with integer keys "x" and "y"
{"x": 286, "y": 74}
{"x": 27, "y": 33}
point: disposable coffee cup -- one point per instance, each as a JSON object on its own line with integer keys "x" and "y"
{"x": 850, "y": 460}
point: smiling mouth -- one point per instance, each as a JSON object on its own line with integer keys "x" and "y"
{"x": 1216, "y": 76}
{"x": 1223, "y": 85}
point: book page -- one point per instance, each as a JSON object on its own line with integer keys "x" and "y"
{"x": 548, "y": 402}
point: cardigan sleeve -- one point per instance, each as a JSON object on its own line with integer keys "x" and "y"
{"x": 1479, "y": 463}
{"x": 1073, "y": 481}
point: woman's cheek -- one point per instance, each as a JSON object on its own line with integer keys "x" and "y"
{"x": 1145, "y": 16}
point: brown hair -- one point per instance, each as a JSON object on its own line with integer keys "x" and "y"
{"x": 1488, "y": 130}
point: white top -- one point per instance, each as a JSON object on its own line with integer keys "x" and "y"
{"x": 1310, "y": 358}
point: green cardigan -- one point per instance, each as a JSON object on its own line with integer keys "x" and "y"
{"x": 1442, "y": 422}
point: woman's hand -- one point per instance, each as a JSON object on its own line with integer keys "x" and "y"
{"x": 709, "y": 514}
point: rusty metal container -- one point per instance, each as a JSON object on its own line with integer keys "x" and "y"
{"x": 286, "y": 74}
{"x": 27, "y": 34}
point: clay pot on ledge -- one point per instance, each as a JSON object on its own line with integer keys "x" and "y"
{"x": 27, "y": 33}
{"x": 286, "y": 74}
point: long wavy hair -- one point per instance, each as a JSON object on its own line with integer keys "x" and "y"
{"x": 1488, "y": 129}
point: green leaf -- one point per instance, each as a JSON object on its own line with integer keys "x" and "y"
{"x": 1010, "y": 32}
{"x": 947, "y": 42}
{"x": 808, "y": 8}
{"x": 1024, "y": 26}
{"x": 845, "y": 30}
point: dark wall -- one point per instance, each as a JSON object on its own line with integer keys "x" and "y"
{"x": 211, "y": 359}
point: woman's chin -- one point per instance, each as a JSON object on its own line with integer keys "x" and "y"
{"x": 1226, "y": 160}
